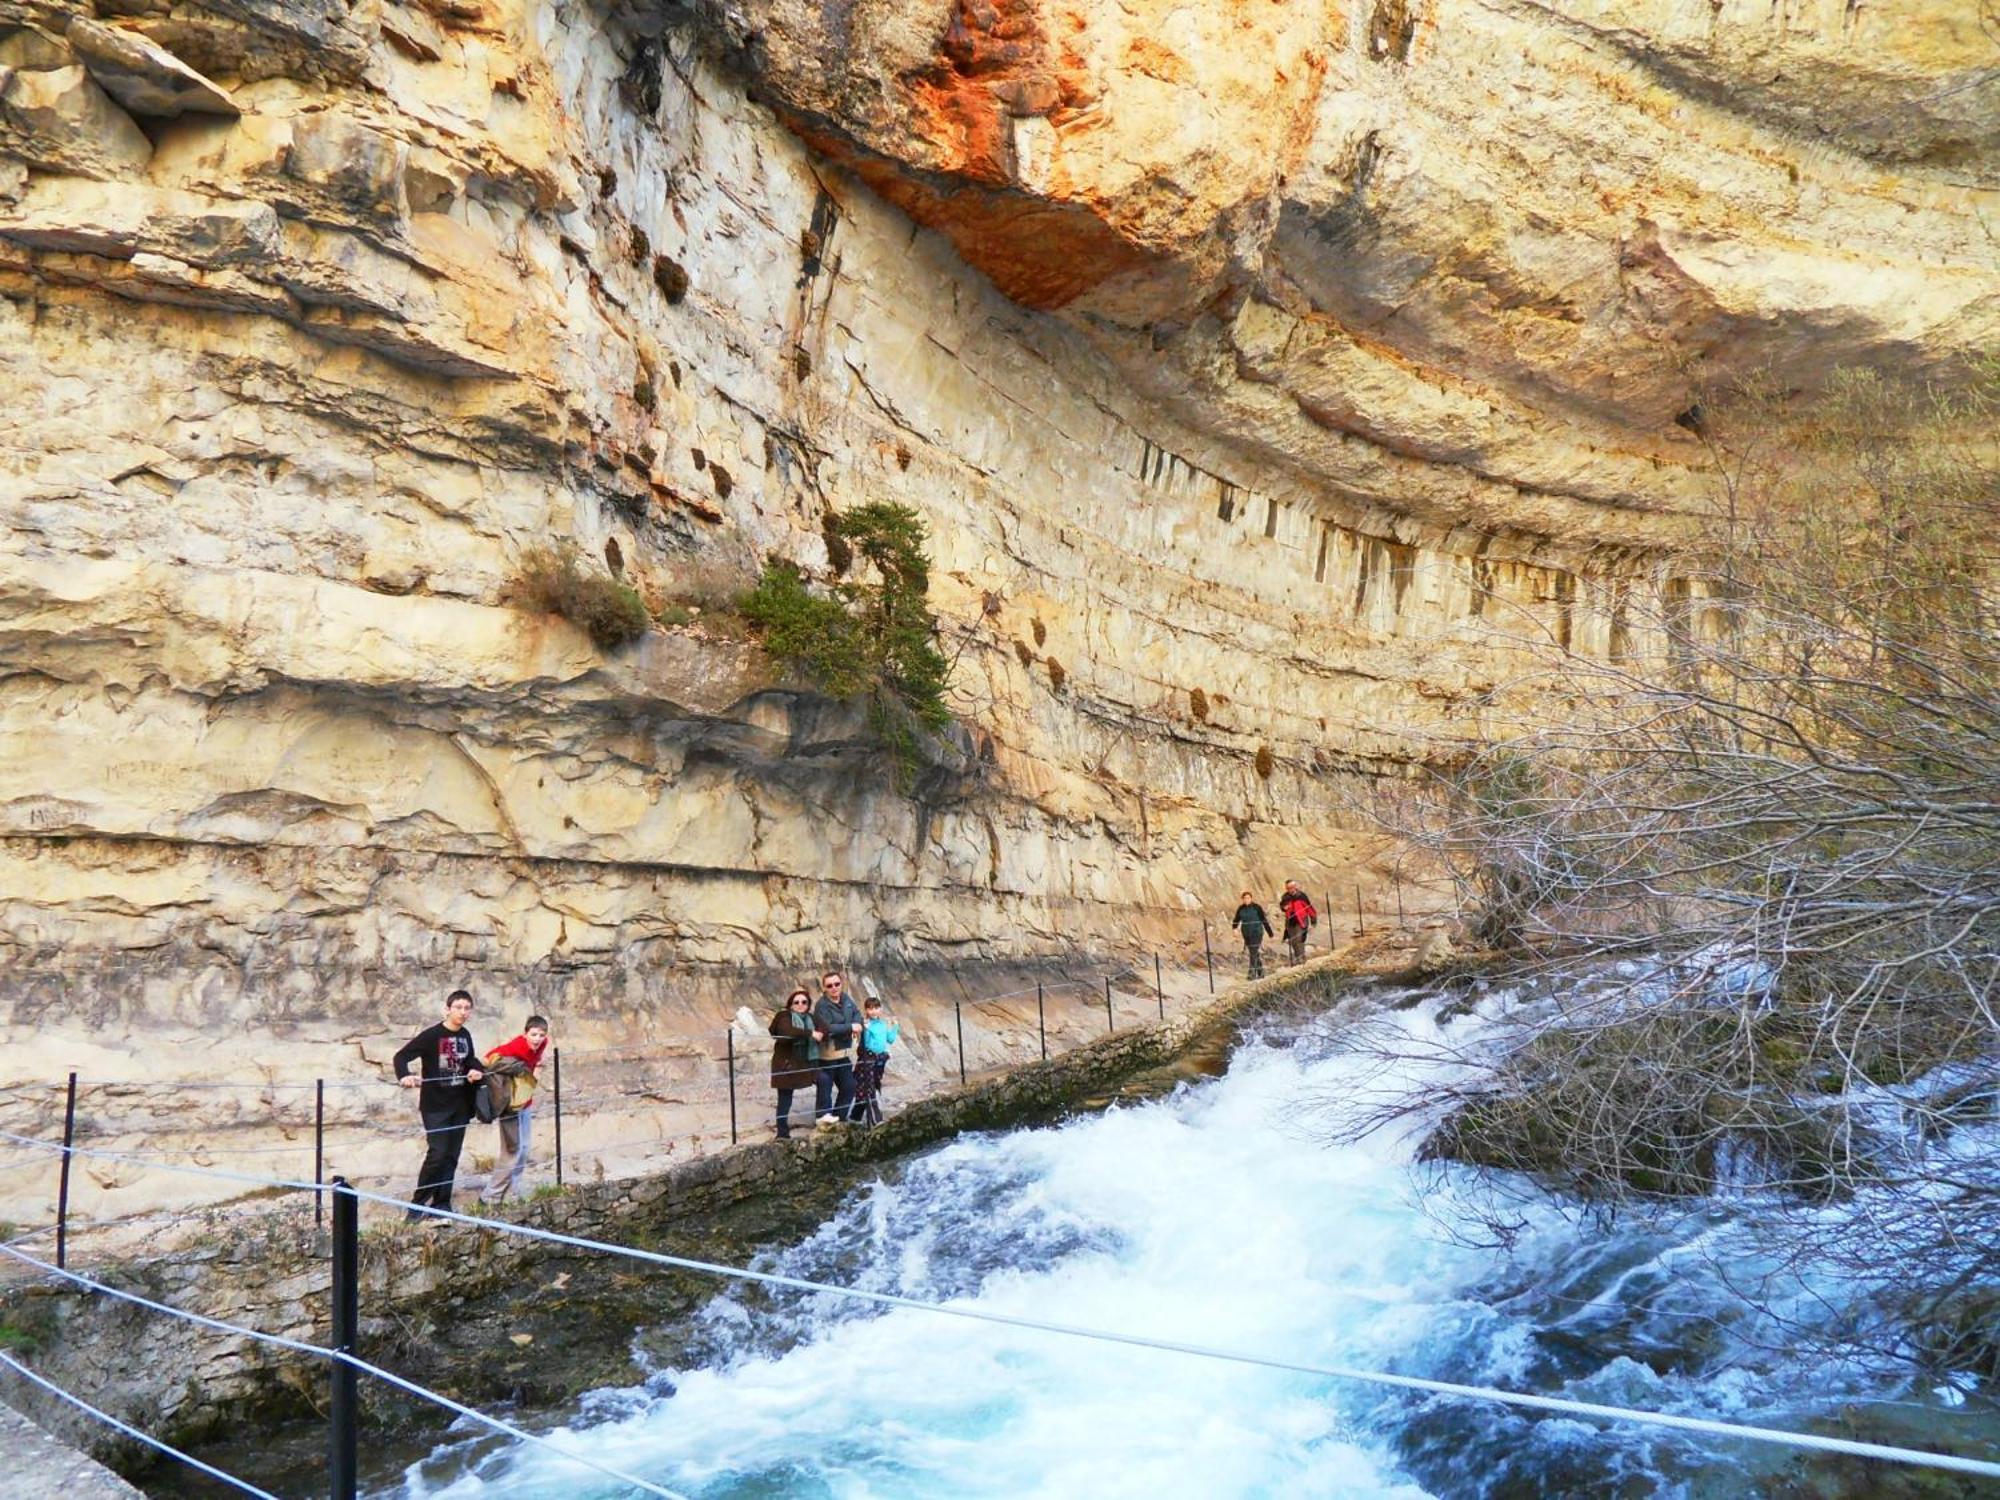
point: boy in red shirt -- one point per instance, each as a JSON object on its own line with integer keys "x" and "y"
{"x": 516, "y": 1061}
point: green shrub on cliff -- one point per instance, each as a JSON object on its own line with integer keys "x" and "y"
{"x": 871, "y": 637}
{"x": 555, "y": 581}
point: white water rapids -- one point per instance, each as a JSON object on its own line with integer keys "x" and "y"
{"x": 1219, "y": 1215}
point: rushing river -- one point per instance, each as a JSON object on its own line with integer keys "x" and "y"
{"x": 1218, "y": 1216}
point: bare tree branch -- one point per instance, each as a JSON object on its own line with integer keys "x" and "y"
{"x": 1743, "y": 863}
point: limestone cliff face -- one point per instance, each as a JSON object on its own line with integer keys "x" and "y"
{"x": 1241, "y": 355}
{"x": 1457, "y": 258}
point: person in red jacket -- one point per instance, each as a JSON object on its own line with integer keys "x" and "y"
{"x": 1301, "y": 916}
{"x": 516, "y": 1061}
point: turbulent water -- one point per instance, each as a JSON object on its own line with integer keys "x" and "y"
{"x": 1218, "y": 1216}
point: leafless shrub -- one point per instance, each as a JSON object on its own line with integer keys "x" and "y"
{"x": 1750, "y": 861}
{"x": 556, "y": 581}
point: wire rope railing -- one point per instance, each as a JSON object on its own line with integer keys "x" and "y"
{"x": 1559, "y": 1405}
{"x": 676, "y": 1077}
{"x": 338, "y": 1356}
{"x": 128, "y": 1430}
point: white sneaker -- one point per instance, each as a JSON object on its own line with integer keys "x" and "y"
{"x": 825, "y": 1120}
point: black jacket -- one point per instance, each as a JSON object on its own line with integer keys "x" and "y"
{"x": 446, "y": 1056}
{"x": 1251, "y": 922}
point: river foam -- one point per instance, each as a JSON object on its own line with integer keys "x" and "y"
{"x": 1219, "y": 1216}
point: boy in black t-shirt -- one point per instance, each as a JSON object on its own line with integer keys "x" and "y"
{"x": 448, "y": 1066}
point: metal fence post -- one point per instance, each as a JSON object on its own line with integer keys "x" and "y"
{"x": 1041, "y": 1020}
{"x": 731, "y": 1035}
{"x": 959, "y": 1013}
{"x": 1360, "y": 922}
{"x": 1208, "y": 953}
{"x": 319, "y": 1151}
{"x": 62, "y": 1182}
{"x": 1109, "y": 1024}
{"x": 555, "y": 1058}
{"x": 340, "y": 1431}
{"x": 1401, "y": 921}
{"x": 1159, "y": 990}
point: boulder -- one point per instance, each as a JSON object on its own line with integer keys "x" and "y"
{"x": 142, "y": 75}
{"x": 59, "y": 120}
{"x": 119, "y": 220}
{"x": 31, "y": 47}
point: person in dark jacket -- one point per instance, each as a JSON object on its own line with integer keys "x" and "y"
{"x": 447, "y": 1067}
{"x": 1253, "y": 924}
{"x": 838, "y": 1021}
{"x": 1301, "y": 916}
{"x": 793, "y": 1055}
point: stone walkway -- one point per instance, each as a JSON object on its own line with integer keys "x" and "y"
{"x": 630, "y": 1111}
{"x": 39, "y": 1466}
{"x": 624, "y": 1124}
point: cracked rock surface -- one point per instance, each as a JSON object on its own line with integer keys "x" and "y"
{"x": 1239, "y": 356}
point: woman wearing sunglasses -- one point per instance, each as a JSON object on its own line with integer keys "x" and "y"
{"x": 795, "y": 1055}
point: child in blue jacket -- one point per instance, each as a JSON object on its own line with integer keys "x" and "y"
{"x": 878, "y": 1035}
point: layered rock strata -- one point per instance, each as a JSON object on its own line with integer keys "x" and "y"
{"x": 1257, "y": 367}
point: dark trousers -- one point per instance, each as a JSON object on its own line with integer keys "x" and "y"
{"x": 785, "y": 1098}
{"x": 444, "y": 1138}
{"x": 834, "y": 1084}
{"x": 1256, "y": 952}
{"x": 869, "y": 1068}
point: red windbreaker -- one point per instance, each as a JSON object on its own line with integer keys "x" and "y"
{"x": 520, "y": 1048}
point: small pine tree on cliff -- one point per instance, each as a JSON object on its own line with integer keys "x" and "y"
{"x": 873, "y": 635}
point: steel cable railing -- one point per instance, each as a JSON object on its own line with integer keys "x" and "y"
{"x": 300, "y": 1346}
{"x": 1417, "y": 1383}
{"x": 1126, "y": 988}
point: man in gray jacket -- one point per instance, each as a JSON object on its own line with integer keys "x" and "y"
{"x": 839, "y": 1020}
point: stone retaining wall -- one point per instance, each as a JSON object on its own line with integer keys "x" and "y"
{"x": 184, "y": 1382}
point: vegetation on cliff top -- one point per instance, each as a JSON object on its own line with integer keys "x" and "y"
{"x": 872, "y": 637}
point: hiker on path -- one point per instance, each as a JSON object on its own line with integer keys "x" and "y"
{"x": 837, "y": 1019}
{"x": 1301, "y": 916}
{"x": 447, "y": 1067}
{"x": 511, "y": 1066}
{"x": 878, "y": 1035}
{"x": 793, "y": 1055}
{"x": 1253, "y": 924}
